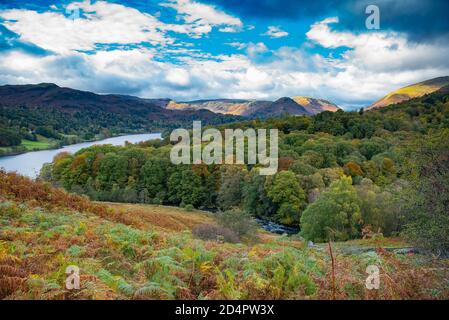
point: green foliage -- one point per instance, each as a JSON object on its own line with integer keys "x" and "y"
{"x": 427, "y": 197}
{"x": 9, "y": 137}
{"x": 378, "y": 209}
{"x": 334, "y": 215}
{"x": 286, "y": 192}
{"x": 230, "y": 191}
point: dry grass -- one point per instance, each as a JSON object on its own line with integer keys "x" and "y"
{"x": 162, "y": 217}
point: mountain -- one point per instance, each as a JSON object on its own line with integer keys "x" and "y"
{"x": 223, "y": 106}
{"x": 258, "y": 108}
{"x": 314, "y": 105}
{"x": 281, "y": 106}
{"x": 412, "y": 91}
{"x": 48, "y": 96}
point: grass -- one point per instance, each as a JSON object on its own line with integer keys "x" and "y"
{"x": 129, "y": 251}
{"x": 162, "y": 217}
{"x": 42, "y": 143}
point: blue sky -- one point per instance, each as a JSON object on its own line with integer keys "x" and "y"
{"x": 197, "y": 49}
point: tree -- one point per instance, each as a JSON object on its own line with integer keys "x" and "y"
{"x": 334, "y": 215}
{"x": 427, "y": 198}
{"x": 230, "y": 192}
{"x": 378, "y": 208}
{"x": 154, "y": 175}
{"x": 286, "y": 192}
{"x": 9, "y": 138}
{"x": 369, "y": 148}
{"x": 255, "y": 199}
{"x": 186, "y": 187}
{"x": 113, "y": 170}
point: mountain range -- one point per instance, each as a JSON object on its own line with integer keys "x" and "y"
{"x": 48, "y": 95}
{"x": 298, "y": 105}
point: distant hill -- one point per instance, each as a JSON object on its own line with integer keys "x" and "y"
{"x": 48, "y": 96}
{"x": 314, "y": 105}
{"x": 258, "y": 108}
{"x": 411, "y": 91}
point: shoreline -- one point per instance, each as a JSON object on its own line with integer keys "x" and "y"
{"x": 60, "y": 146}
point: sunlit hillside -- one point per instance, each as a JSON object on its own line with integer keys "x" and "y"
{"x": 411, "y": 91}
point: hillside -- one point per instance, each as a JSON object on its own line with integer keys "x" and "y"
{"x": 315, "y": 106}
{"x": 150, "y": 252}
{"x": 411, "y": 91}
{"x": 258, "y": 108}
{"x": 47, "y": 96}
{"x": 50, "y": 116}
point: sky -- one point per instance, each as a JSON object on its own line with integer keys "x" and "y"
{"x": 245, "y": 49}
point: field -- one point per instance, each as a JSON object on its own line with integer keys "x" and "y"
{"x": 42, "y": 143}
{"x": 148, "y": 252}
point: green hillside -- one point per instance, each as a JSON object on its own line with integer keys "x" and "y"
{"x": 411, "y": 91}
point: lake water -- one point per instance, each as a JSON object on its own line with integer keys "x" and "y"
{"x": 30, "y": 163}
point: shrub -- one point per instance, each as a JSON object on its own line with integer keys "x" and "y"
{"x": 189, "y": 208}
{"x": 213, "y": 232}
{"x": 239, "y": 221}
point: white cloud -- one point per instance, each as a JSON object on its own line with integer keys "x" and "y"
{"x": 255, "y": 48}
{"x": 178, "y": 77}
{"x": 237, "y": 45}
{"x": 379, "y": 51}
{"x": 103, "y": 23}
{"x": 372, "y": 63}
{"x": 275, "y": 32}
{"x": 201, "y": 16}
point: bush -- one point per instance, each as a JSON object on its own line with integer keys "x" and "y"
{"x": 239, "y": 221}
{"x": 189, "y": 208}
{"x": 213, "y": 232}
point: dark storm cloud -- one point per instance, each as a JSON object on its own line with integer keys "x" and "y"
{"x": 420, "y": 19}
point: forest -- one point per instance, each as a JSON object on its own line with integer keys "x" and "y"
{"x": 341, "y": 176}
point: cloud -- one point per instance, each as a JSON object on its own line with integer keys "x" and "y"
{"x": 101, "y": 23}
{"x": 85, "y": 25}
{"x": 237, "y": 45}
{"x": 255, "y": 48}
{"x": 113, "y": 48}
{"x": 275, "y": 32}
{"x": 203, "y": 17}
{"x": 420, "y": 20}
{"x": 379, "y": 51}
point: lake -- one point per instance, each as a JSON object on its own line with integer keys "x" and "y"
{"x": 30, "y": 163}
